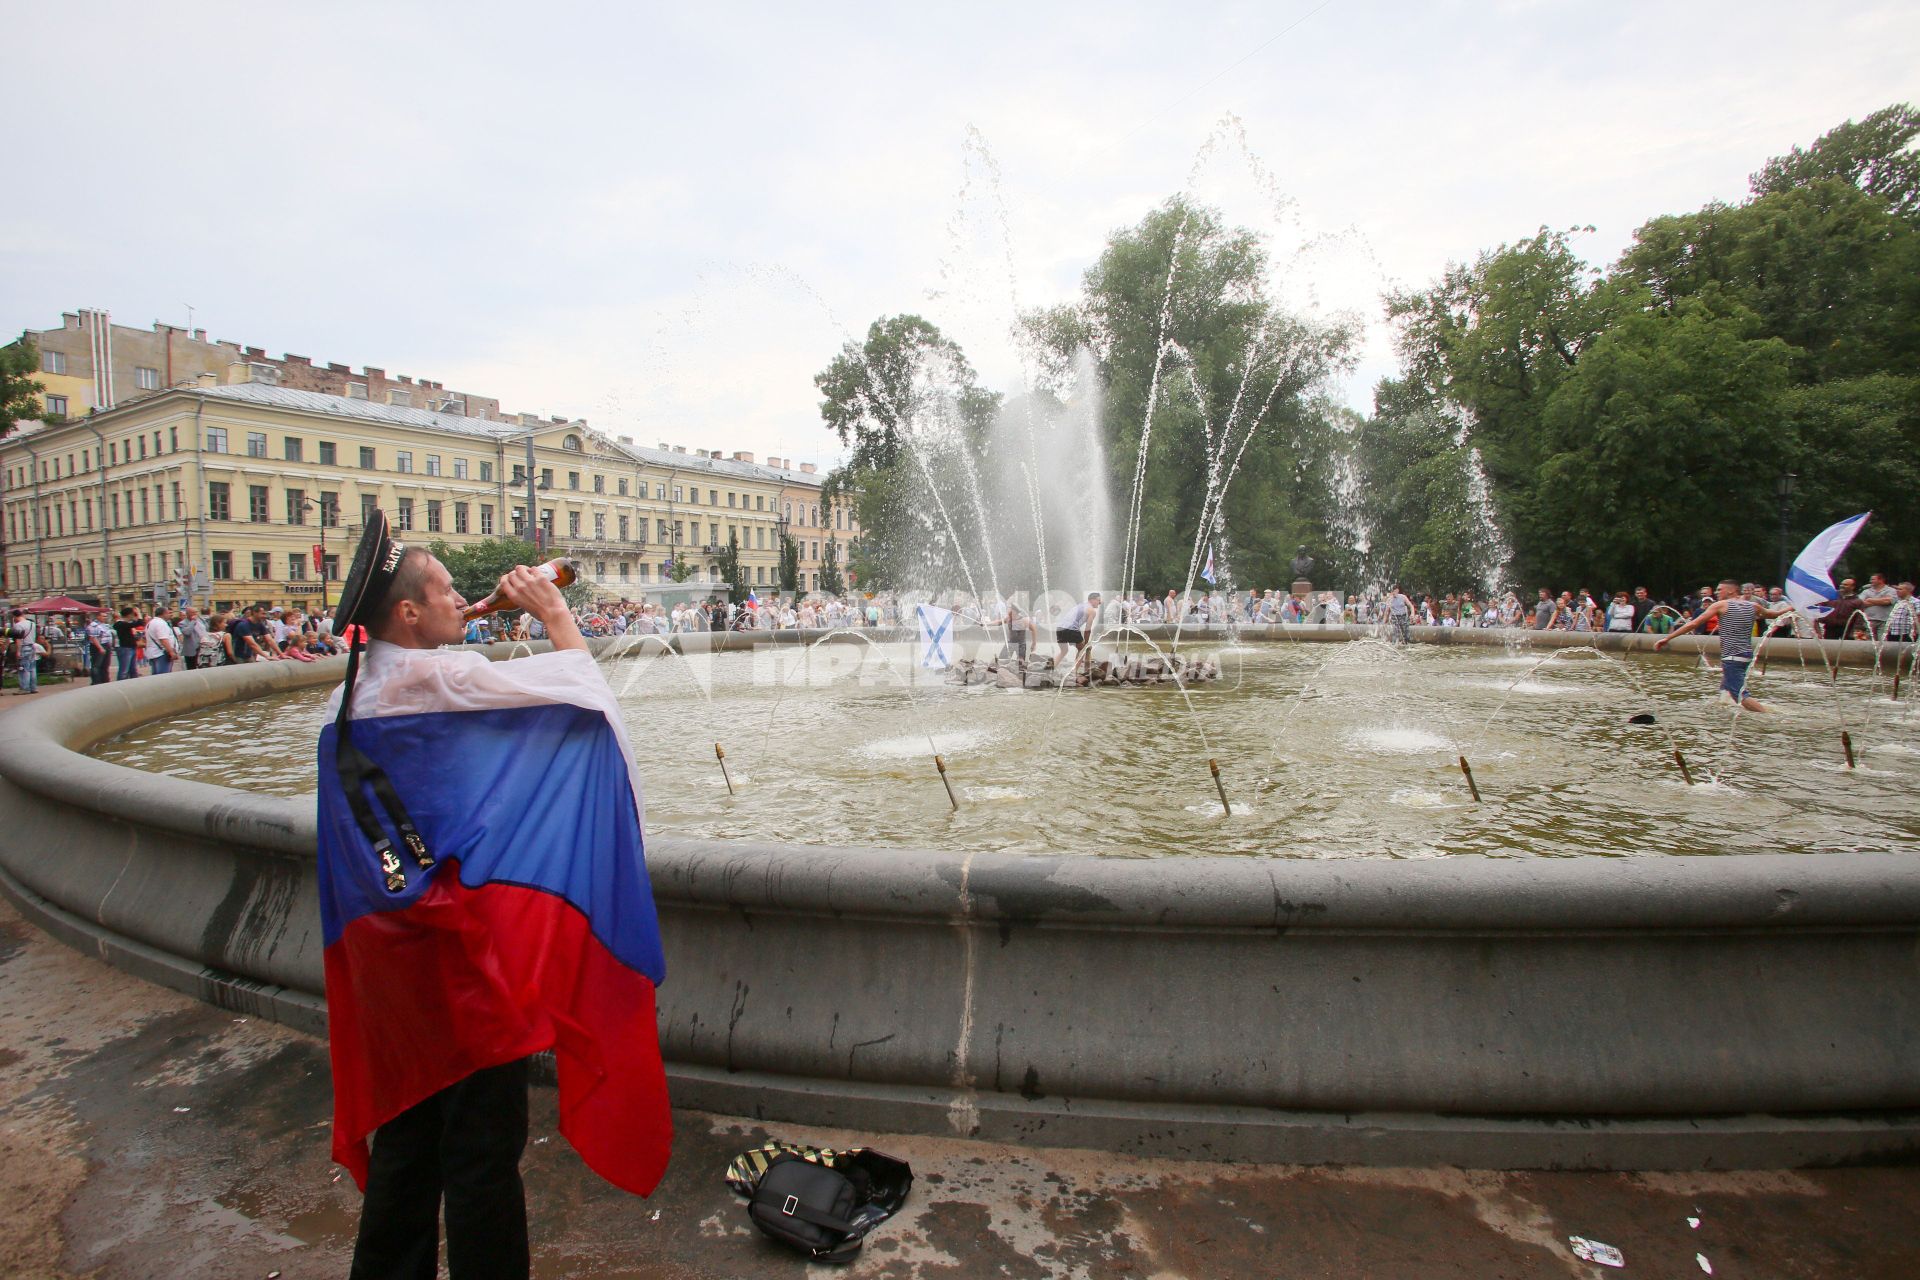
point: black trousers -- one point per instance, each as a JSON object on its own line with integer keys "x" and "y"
{"x": 463, "y": 1143}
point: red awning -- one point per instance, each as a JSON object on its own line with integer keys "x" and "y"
{"x": 61, "y": 604}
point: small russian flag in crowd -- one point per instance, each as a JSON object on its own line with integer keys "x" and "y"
{"x": 533, "y": 929}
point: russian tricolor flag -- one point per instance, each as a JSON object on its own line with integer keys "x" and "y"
{"x": 535, "y": 928}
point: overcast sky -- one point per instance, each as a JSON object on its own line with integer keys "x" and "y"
{"x": 667, "y": 218}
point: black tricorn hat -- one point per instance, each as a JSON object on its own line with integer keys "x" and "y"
{"x": 374, "y": 566}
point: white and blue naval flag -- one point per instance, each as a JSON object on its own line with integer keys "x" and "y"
{"x": 1809, "y": 583}
{"x": 936, "y": 636}
{"x": 1207, "y": 572}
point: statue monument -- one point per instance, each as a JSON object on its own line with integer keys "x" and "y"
{"x": 1302, "y": 573}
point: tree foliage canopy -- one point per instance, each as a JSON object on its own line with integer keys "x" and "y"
{"x": 19, "y": 389}
{"x": 1635, "y": 423}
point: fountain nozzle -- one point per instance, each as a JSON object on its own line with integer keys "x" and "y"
{"x": 945, "y": 781}
{"x": 1472, "y": 787}
{"x": 1219, "y": 786}
{"x": 1846, "y": 744}
{"x": 720, "y": 754}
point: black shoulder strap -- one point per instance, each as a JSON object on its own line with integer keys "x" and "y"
{"x": 357, "y": 774}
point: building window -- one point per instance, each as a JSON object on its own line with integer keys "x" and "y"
{"x": 486, "y": 472}
{"x": 663, "y": 530}
{"x": 646, "y": 571}
{"x": 730, "y": 498}
{"x": 459, "y": 517}
{"x": 396, "y": 396}
{"x": 625, "y": 570}
{"x": 459, "y": 468}
{"x": 573, "y": 524}
{"x": 53, "y": 362}
{"x": 256, "y": 445}
{"x": 433, "y": 515}
{"x": 599, "y": 526}
{"x": 146, "y": 379}
{"x": 403, "y": 461}
{"x": 486, "y": 519}
{"x": 403, "y": 518}
{"x": 660, "y": 492}
{"x": 356, "y": 391}
{"x": 218, "y": 502}
{"x": 367, "y": 504}
{"x": 143, "y": 448}
{"x": 713, "y": 499}
{"x": 676, "y": 494}
{"x": 296, "y": 449}
{"x": 223, "y": 564}
{"x": 330, "y": 565}
{"x": 262, "y": 566}
{"x": 296, "y": 506}
{"x": 760, "y": 539}
{"x": 623, "y": 486}
{"x": 330, "y": 509}
{"x": 216, "y": 439}
{"x": 573, "y": 479}
{"x": 625, "y": 527}
{"x": 296, "y": 566}
{"x": 256, "y": 503}
{"x": 572, "y": 443}
{"x": 546, "y": 478}
{"x": 366, "y": 457}
{"x": 599, "y": 568}
{"x": 56, "y": 406}
{"x": 760, "y": 574}
{"x": 433, "y": 464}
{"x": 327, "y": 456}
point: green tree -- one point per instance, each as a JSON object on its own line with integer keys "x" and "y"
{"x": 789, "y": 564}
{"x": 907, "y": 387}
{"x": 19, "y": 389}
{"x": 830, "y": 580}
{"x": 728, "y": 562}
{"x": 1875, "y": 155}
{"x": 879, "y": 392}
{"x": 1856, "y": 447}
{"x": 1661, "y": 453}
{"x": 1176, "y": 315}
{"x": 1415, "y": 494}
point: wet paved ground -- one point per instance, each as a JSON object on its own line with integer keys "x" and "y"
{"x": 143, "y": 1134}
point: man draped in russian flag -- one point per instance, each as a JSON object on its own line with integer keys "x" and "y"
{"x": 500, "y": 908}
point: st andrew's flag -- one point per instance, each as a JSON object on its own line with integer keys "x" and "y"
{"x": 535, "y": 927}
{"x": 1810, "y": 580}
{"x": 935, "y": 636}
{"x": 1207, "y": 572}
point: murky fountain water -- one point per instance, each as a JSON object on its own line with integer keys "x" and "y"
{"x": 1362, "y": 764}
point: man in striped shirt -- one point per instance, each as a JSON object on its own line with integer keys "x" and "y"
{"x": 1738, "y": 614}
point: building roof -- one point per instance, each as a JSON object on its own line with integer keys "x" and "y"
{"x": 347, "y": 407}
{"x": 266, "y": 394}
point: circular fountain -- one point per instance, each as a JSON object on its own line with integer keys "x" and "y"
{"x": 1598, "y": 965}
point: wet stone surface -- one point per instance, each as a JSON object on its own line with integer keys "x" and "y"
{"x": 145, "y": 1135}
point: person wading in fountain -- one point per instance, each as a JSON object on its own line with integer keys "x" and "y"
{"x": 1072, "y": 628}
{"x": 1737, "y": 615}
{"x": 483, "y": 896}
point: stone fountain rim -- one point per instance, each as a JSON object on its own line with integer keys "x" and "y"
{"x": 44, "y": 753}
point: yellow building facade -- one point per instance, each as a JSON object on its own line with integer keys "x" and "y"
{"x": 224, "y": 493}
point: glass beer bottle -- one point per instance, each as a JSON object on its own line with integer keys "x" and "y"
{"x": 558, "y": 571}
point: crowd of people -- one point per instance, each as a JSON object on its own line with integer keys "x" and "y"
{"x": 163, "y": 639}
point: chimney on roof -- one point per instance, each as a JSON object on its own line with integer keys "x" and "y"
{"x": 679, "y": 448}
{"x": 252, "y": 371}
{"x": 742, "y": 457}
{"x": 369, "y": 371}
{"x": 207, "y": 379}
{"x": 626, "y": 439}
{"x": 807, "y": 468}
{"x": 199, "y": 335}
{"x": 291, "y": 358}
{"x": 68, "y": 320}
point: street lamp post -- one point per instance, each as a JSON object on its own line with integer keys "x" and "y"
{"x": 321, "y": 509}
{"x": 1783, "y": 490}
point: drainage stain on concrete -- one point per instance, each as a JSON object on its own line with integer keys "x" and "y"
{"x": 145, "y": 1135}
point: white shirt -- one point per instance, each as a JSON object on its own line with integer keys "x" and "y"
{"x": 159, "y": 638}
{"x": 278, "y": 630}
